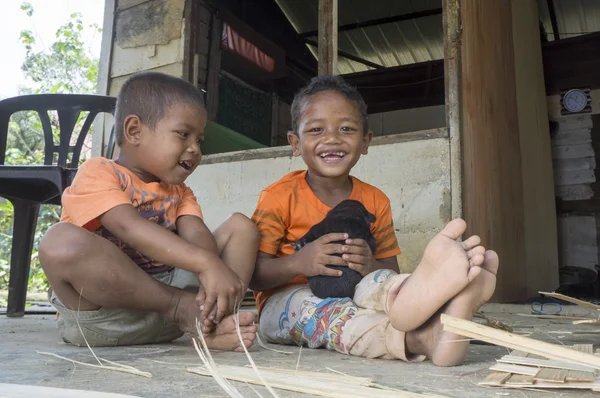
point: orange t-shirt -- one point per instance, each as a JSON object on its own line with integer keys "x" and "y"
{"x": 287, "y": 209}
{"x": 101, "y": 184}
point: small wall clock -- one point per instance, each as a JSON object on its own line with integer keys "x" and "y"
{"x": 575, "y": 100}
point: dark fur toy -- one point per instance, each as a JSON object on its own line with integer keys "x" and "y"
{"x": 351, "y": 217}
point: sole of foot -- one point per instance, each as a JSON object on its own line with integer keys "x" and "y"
{"x": 446, "y": 268}
{"x": 449, "y": 348}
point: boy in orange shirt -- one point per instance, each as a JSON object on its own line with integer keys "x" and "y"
{"x": 391, "y": 315}
{"x": 132, "y": 261}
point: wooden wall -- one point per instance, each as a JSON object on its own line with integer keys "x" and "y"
{"x": 144, "y": 35}
{"x": 575, "y": 150}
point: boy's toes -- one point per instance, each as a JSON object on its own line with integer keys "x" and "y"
{"x": 476, "y": 260}
{"x": 454, "y": 229}
{"x": 471, "y": 242}
{"x": 473, "y": 272}
{"x": 491, "y": 262}
{"x": 479, "y": 250}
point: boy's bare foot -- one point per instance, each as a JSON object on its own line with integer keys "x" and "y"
{"x": 446, "y": 268}
{"x": 186, "y": 312}
{"x": 225, "y": 335}
{"x": 446, "y": 348}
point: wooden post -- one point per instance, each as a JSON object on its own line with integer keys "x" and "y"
{"x": 328, "y": 37}
{"x": 541, "y": 246}
{"x": 452, "y": 69}
{"x": 214, "y": 67}
{"x": 507, "y": 181}
{"x": 492, "y": 182}
{"x": 102, "y": 126}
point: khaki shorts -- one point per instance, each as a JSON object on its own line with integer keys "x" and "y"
{"x": 113, "y": 327}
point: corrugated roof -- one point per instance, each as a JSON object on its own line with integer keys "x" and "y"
{"x": 573, "y": 17}
{"x": 416, "y": 40}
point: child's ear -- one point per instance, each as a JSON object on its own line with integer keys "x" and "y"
{"x": 294, "y": 141}
{"x": 132, "y": 129}
{"x": 366, "y": 141}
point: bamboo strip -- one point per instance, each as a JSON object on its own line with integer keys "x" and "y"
{"x": 543, "y": 363}
{"x": 263, "y": 345}
{"x": 239, "y": 333}
{"x": 511, "y": 340}
{"x": 580, "y": 303}
{"x": 552, "y": 375}
{"x": 496, "y": 378}
{"x": 587, "y": 348}
{"x": 336, "y": 387}
{"x": 121, "y": 368}
{"x": 556, "y": 317}
{"x": 29, "y": 391}
{"x": 579, "y": 375}
{"x": 516, "y": 369}
{"x": 595, "y": 385}
{"x": 587, "y": 322}
{"x": 517, "y": 353}
{"x": 355, "y": 380}
{"x": 519, "y": 380}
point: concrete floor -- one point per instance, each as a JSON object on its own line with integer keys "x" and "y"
{"x": 22, "y": 337}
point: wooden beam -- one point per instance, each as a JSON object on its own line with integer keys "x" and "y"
{"x": 401, "y": 87}
{"x": 553, "y": 19}
{"x": 380, "y": 21}
{"x": 214, "y": 67}
{"x": 491, "y": 156}
{"x": 101, "y": 127}
{"x": 539, "y": 208}
{"x": 572, "y": 62}
{"x": 349, "y": 56}
{"x": 328, "y": 37}
{"x": 452, "y": 80}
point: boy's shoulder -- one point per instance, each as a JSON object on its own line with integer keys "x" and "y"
{"x": 371, "y": 191}
{"x": 286, "y": 183}
{"x": 95, "y": 163}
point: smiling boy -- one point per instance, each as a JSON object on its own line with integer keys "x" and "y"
{"x": 391, "y": 315}
{"x": 131, "y": 261}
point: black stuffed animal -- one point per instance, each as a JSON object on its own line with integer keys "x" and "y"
{"x": 351, "y": 217}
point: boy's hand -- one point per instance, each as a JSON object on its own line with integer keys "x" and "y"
{"x": 359, "y": 257}
{"x": 206, "y": 325}
{"x": 223, "y": 289}
{"x": 313, "y": 257}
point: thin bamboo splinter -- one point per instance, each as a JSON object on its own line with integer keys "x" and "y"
{"x": 118, "y": 366}
{"x": 115, "y": 368}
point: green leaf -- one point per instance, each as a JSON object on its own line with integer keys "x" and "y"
{"x": 28, "y": 8}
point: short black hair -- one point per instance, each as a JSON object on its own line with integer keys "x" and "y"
{"x": 326, "y": 83}
{"x": 149, "y": 95}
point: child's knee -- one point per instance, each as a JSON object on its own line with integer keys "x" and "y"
{"x": 58, "y": 244}
{"x": 243, "y": 225}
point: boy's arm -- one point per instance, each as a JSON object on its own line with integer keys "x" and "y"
{"x": 223, "y": 287}
{"x": 388, "y": 263}
{"x": 193, "y": 230}
{"x": 156, "y": 242}
{"x": 271, "y": 271}
{"x": 312, "y": 259}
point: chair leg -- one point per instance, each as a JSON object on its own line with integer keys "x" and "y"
{"x": 25, "y": 220}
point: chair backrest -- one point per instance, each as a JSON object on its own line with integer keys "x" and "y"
{"x": 69, "y": 108}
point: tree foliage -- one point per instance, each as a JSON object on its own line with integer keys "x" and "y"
{"x": 66, "y": 66}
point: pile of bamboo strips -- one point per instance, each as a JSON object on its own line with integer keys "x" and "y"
{"x": 520, "y": 369}
{"x": 533, "y": 363}
{"x": 324, "y": 384}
